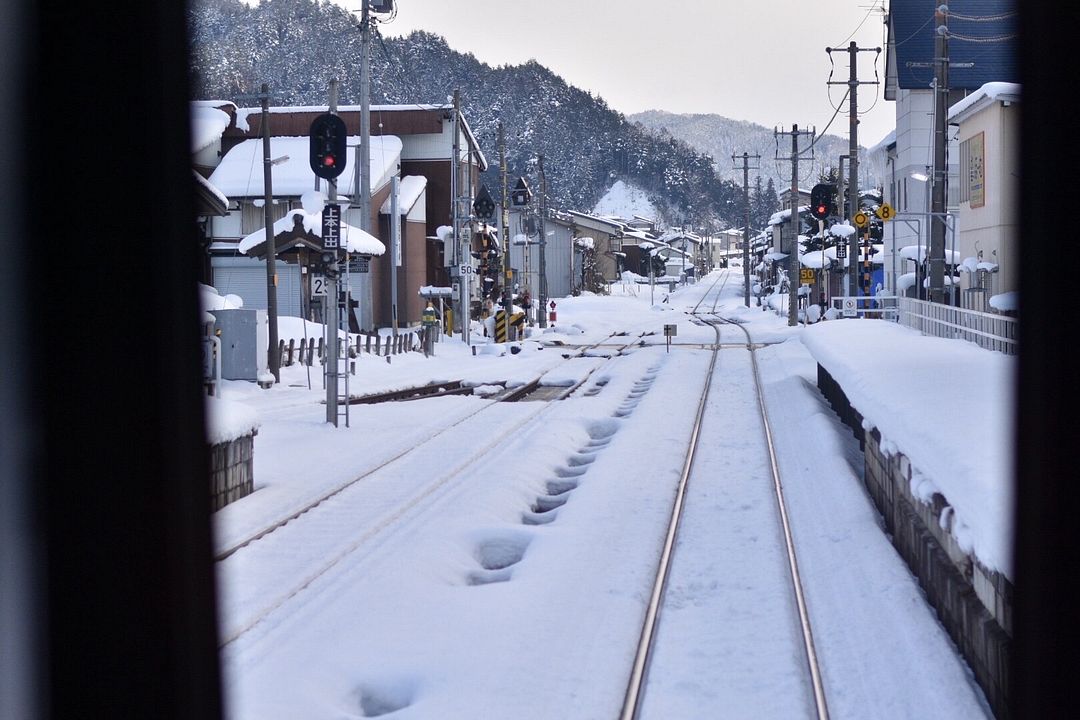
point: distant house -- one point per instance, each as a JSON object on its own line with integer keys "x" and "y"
{"x": 785, "y": 198}
{"x": 988, "y": 243}
{"x": 558, "y": 253}
{"x": 607, "y": 243}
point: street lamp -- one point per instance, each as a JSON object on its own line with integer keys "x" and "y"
{"x": 920, "y": 177}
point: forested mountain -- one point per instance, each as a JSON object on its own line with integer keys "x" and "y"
{"x": 722, "y": 137}
{"x": 296, "y": 46}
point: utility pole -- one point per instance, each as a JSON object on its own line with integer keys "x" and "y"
{"x": 746, "y": 228}
{"x": 542, "y": 288}
{"x": 853, "y": 84}
{"x": 331, "y": 315}
{"x": 273, "y": 359}
{"x": 461, "y": 255}
{"x": 936, "y": 255}
{"x": 363, "y": 169}
{"x": 793, "y": 257}
{"x": 508, "y": 280}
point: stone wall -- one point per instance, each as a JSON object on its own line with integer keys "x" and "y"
{"x": 231, "y": 473}
{"x": 972, "y": 602}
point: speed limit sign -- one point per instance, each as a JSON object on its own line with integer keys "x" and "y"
{"x": 318, "y": 286}
{"x": 885, "y": 212}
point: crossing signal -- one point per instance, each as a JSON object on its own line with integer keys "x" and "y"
{"x": 483, "y": 205}
{"x": 821, "y": 200}
{"x": 328, "y": 137}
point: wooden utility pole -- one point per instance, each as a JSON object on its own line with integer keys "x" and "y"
{"x": 746, "y": 228}
{"x": 273, "y": 358}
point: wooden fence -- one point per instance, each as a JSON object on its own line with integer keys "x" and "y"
{"x": 309, "y": 351}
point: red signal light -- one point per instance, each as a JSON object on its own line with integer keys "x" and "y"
{"x": 329, "y": 161}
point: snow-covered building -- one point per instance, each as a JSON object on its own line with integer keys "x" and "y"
{"x": 785, "y": 198}
{"x": 982, "y": 49}
{"x": 606, "y": 248}
{"x": 414, "y": 143}
{"x": 558, "y": 253}
{"x": 988, "y": 243}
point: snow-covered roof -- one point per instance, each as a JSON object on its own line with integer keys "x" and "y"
{"x": 240, "y": 172}
{"x": 211, "y": 189}
{"x": 779, "y": 217}
{"x": 815, "y": 259}
{"x": 353, "y": 239}
{"x": 774, "y": 256}
{"x": 243, "y": 113}
{"x": 918, "y": 254}
{"x": 884, "y": 143}
{"x": 987, "y": 94}
{"x": 843, "y": 230}
{"x": 207, "y": 124}
{"x": 410, "y": 189}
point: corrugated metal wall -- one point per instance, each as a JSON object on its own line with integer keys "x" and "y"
{"x": 246, "y": 277}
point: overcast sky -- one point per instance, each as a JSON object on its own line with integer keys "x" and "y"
{"x": 762, "y": 61}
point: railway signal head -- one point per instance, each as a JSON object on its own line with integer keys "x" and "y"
{"x": 328, "y": 137}
{"x": 483, "y": 205}
{"x": 821, "y": 200}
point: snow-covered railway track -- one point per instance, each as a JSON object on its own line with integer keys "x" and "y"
{"x": 308, "y": 545}
{"x": 635, "y": 705}
{"x": 311, "y": 503}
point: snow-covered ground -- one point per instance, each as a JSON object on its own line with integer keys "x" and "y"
{"x": 502, "y": 569}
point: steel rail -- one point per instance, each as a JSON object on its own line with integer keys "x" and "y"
{"x": 291, "y": 515}
{"x": 388, "y": 521}
{"x": 636, "y": 686}
{"x": 813, "y": 665}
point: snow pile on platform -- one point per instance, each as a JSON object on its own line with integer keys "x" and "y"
{"x": 946, "y": 405}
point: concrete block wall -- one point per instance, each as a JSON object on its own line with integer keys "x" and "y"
{"x": 231, "y": 471}
{"x": 973, "y": 602}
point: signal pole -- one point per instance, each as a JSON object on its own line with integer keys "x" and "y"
{"x": 508, "y": 281}
{"x": 853, "y": 84}
{"x": 542, "y": 288}
{"x": 746, "y": 228}
{"x": 793, "y": 257}
{"x": 331, "y": 315}
{"x": 273, "y": 359}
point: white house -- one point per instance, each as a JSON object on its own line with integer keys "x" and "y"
{"x": 988, "y": 243}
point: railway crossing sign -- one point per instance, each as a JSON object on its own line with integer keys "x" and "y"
{"x": 885, "y": 212}
{"x": 861, "y": 219}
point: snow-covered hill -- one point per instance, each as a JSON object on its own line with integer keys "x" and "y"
{"x": 625, "y": 200}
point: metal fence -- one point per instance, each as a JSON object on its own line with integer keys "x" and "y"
{"x": 993, "y": 332}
